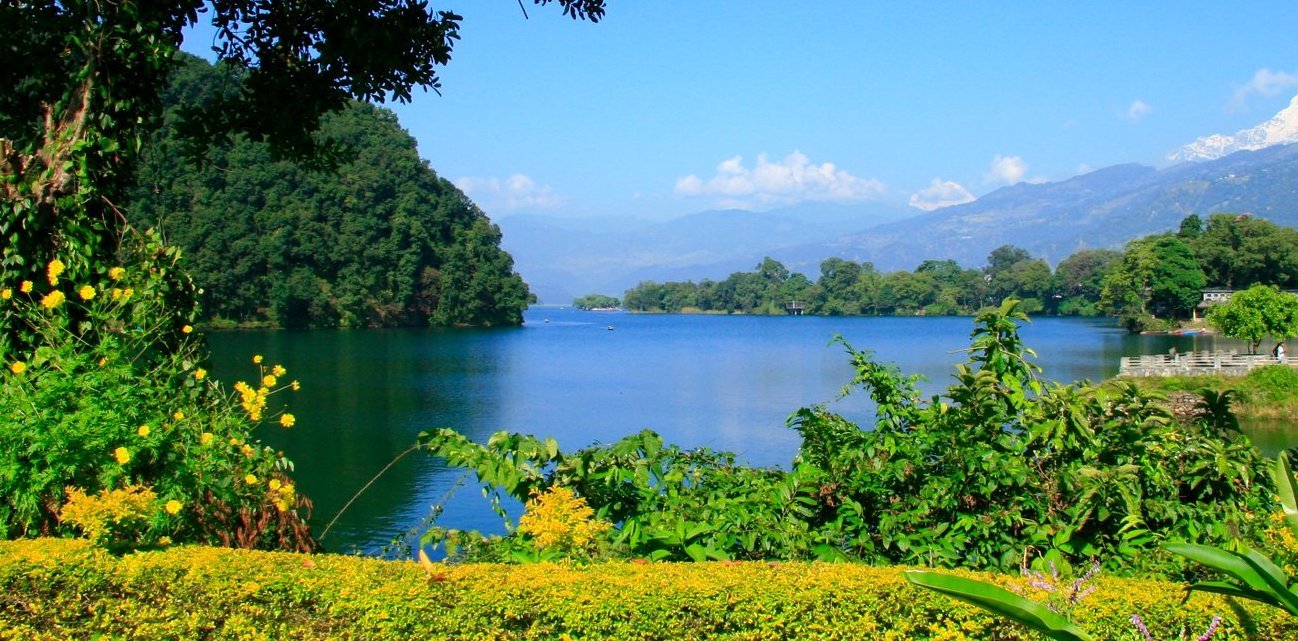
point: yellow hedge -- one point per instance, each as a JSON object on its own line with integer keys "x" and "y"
{"x": 65, "y": 589}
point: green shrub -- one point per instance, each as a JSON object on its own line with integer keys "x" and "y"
{"x": 1272, "y": 384}
{"x": 59, "y": 589}
{"x": 102, "y": 388}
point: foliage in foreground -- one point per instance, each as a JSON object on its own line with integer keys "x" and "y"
{"x": 1000, "y": 462}
{"x": 57, "y": 589}
{"x": 110, "y": 426}
{"x": 1250, "y": 575}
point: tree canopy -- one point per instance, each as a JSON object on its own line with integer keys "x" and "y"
{"x": 1256, "y": 313}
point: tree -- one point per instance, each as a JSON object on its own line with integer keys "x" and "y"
{"x": 1255, "y": 313}
{"x": 83, "y": 82}
{"x": 1239, "y": 251}
{"x": 1158, "y": 275}
{"x": 1004, "y": 257}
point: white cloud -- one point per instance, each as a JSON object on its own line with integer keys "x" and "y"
{"x": 1006, "y": 170}
{"x": 940, "y": 193}
{"x": 518, "y": 191}
{"x": 1138, "y": 109}
{"x": 1264, "y": 83}
{"x": 794, "y": 179}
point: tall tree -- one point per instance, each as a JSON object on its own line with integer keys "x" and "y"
{"x": 1158, "y": 275}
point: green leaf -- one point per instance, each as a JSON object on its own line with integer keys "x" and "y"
{"x": 1002, "y": 602}
{"x": 1223, "y": 561}
{"x": 1287, "y": 489}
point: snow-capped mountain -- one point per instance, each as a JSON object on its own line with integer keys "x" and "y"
{"x": 1280, "y": 130}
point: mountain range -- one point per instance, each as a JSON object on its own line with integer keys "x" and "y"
{"x": 1253, "y": 171}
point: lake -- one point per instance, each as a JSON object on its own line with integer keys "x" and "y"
{"x": 724, "y": 382}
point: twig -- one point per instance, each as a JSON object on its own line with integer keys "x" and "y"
{"x": 366, "y": 487}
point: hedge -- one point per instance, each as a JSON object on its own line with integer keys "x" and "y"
{"x": 66, "y": 589}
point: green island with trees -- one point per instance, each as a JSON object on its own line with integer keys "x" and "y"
{"x": 596, "y": 302}
{"x": 187, "y": 526}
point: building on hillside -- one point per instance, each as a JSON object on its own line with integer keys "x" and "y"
{"x": 1211, "y": 296}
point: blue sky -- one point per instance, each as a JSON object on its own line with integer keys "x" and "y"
{"x": 670, "y": 107}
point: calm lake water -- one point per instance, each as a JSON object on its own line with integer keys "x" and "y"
{"x": 725, "y": 382}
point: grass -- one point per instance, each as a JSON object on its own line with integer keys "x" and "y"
{"x": 1269, "y": 392}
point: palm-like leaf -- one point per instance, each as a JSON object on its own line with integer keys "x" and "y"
{"x": 1002, "y": 602}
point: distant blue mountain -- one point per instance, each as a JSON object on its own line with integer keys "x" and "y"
{"x": 562, "y": 259}
{"x": 1104, "y": 208}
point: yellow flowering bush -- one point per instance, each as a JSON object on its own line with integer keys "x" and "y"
{"x": 111, "y": 515}
{"x": 59, "y": 589}
{"x": 558, "y": 520}
{"x": 110, "y": 391}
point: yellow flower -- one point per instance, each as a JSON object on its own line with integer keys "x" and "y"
{"x": 250, "y": 479}
{"x": 295, "y": 385}
{"x": 274, "y": 484}
{"x": 18, "y": 367}
{"x": 187, "y": 329}
{"x": 25, "y": 287}
{"x": 206, "y": 439}
{"x": 269, "y": 380}
{"x": 256, "y": 359}
{"x": 6, "y": 293}
{"x": 116, "y": 273}
{"x": 127, "y": 293}
{"x": 179, "y": 415}
{"x": 143, "y": 431}
{"x": 287, "y": 420}
{"x": 53, "y": 270}
{"x": 122, "y": 455}
{"x": 174, "y": 506}
{"x": 278, "y": 370}
{"x": 200, "y": 374}
{"x": 248, "y": 451}
{"x": 164, "y": 541}
{"x": 235, "y": 442}
{"x": 86, "y": 292}
{"x": 52, "y": 299}
{"x": 116, "y": 292}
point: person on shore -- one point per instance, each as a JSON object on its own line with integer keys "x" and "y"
{"x": 1279, "y": 353}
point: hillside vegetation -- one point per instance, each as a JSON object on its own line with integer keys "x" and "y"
{"x": 378, "y": 239}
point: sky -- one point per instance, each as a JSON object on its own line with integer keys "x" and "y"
{"x": 670, "y": 107}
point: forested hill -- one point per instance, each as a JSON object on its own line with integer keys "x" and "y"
{"x": 379, "y": 241}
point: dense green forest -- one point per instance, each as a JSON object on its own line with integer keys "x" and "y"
{"x": 1154, "y": 278}
{"x": 374, "y": 238}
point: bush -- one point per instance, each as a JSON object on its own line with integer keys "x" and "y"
{"x": 59, "y": 589}
{"x": 102, "y": 389}
{"x": 1272, "y": 384}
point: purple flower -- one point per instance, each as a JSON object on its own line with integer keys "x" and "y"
{"x": 1212, "y": 629}
{"x": 1140, "y": 627}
